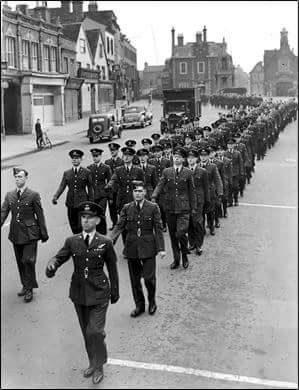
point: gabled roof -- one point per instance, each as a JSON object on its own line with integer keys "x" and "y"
{"x": 103, "y": 17}
{"x": 93, "y": 38}
{"x": 183, "y": 51}
{"x": 71, "y": 31}
{"x": 259, "y": 64}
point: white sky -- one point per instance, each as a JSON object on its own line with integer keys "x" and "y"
{"x": 249, "y": 27}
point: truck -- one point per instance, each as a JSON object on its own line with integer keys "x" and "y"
{"x": 180, "y": 106}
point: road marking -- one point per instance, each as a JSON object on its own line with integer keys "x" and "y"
{"x": 269, "y": 205}
{"x": 203, "y": 373}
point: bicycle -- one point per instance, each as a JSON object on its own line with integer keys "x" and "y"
{"x": 44, "y": 141}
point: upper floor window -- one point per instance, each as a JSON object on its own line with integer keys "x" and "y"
{"x": 111, "y": 46}
{"x": 224, "y": 63}
{"x": 101, "y": 51}
{"x": 108, "y": 45}
{"x": 183, "y": 67}
{"x": 25, "y": 55}
{"x": 103, "y": 73}
{"x": 82, "y": 46}
{"x": 34, "y": 56}
{"x": 46, "y": 50}
{"x": 65, "y": 65}
{"x": 11, "y": 52}
{"x": 200, "y": 67}
{"x": 53, "y": 59}
{"x": 72, "y": 66}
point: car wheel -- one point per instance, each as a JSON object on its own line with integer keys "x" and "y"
{"x": 119, "y": 133}
{"x": 91, "y": 140}
{"x": 143, "y": 124}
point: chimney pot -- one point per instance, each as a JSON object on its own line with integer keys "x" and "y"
{"x": 92, "y": 6}
{"x": 180, "y": 40}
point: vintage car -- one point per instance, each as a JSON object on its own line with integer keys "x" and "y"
{"x": 137, "y": 116}
{"x": 103, "y": 126}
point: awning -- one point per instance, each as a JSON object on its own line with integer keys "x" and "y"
{"x": 74, "y": 83}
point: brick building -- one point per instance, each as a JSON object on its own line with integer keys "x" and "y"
{"x": 199, "y": 62}
{"x": 32, "y": 79}
{"x": 257, "y": 79}
{"x": 281, "y": 69}
{"x": 151, "y": 78}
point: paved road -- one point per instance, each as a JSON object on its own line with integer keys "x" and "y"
{"x": 234, "y": 311}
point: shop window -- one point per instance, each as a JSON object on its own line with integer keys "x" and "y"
{"x": 82, "y": 46}
{"x": 46, "y": 51}
{"x": 11, "y": 52}
{"x": 53, "y": 59}
{"x": 65, "y": 65}
{"x": 48, "y": 100}
{"x": 38, "y": 101}
{"x": 200, "y": 67}
{"x": 34, "y": 56}
{"x": 72, "y": 66}
{"x": 25, "y": 55}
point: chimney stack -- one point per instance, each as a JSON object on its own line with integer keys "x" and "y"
{"x": 65, "y": 6}
{"x": 172, "y": 41}
{"x": 78, "y": 10}
{"x": 198, "y": 37}
{"x": 92, "y": 6}
{"x": 205, "y": 34}
{"x": 43, "y": 11}
{"x": 180, "y": 40}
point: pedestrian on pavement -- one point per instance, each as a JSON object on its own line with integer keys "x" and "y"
{"x": 100, "y": 174}
{"x": 196, "y": 230}
{"x": 27, "y": 227}
{"x": 90, "y": 290}
{"x": 113, "y": 162}
{"x": 178, "y": 185}
{"x": 38, "y": 132}
{"x": 142, "y": 221}
{"x": 77, "y": 179}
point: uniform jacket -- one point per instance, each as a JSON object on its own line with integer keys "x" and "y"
{"x": 160, "y": 165}
{"x": 201, "y": 183}
{"x": 100, "y": 174}
{"x": 27, "y": 217}
{"x": 77, "y": 185}
{"x": 89, "y": 284}
{"x": 151, "y": 179}
{"x": 220, "y": 167}
{"x": 228, "y": 173}
{"x": 179, "y": 191}
{"x": 144, "y": 230}
{"x": 114, "y": 163}
{"x": 215, "y": 182}
{"x": 121, "y": 181}
{"x": 237, "y": 163}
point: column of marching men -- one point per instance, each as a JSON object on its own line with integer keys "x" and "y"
{"x": 182, "y": 183}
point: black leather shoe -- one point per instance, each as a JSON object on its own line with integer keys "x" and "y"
{"x": 241, "y": 194}
{"x": 229, "y": 205}
{"x": 225, "y": 215}
{"x": 136, "y": 312}
{"x": 97, "y": 376}
{"x": 22, "y": 292}
{"x": 185, "y": 261}
{"x": 217, "y": 225}
{"x": 198, "y": 251}
{"x": 164, "y": 229}
{"x": 212, "y": 232}
{"x": 237, "y": 203}
{"x": 152, "y": 307}
{"x": 191, "y": 248}
{"x": 174, "y": 265}
{"x": 88, "y": 372}
{"x": 28, "y": 296}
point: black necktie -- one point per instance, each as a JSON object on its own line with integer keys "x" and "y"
{"x": 177, "y": 171}
{"x": 19, "y": 194}
{"x": 128, "y": 170}
{"x": 139, "y": 206}
{"x": 76, "y": 171}
{"x": 143, "y": 167}
{"x": 87, "y": 240}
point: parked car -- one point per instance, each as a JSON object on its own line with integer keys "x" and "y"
{"x": 103, "y": 126}
{"x": 137, "y": 116}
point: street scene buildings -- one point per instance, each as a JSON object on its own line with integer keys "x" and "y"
{"x": 149, "y": 195}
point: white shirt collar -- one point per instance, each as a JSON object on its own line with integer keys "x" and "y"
{"x": 179, "y": 168}
{"x": 21, "y": 189}
{"x": 91, "y": 235}
{"x": 141, "y": 203}
{"x": 78, "y": 167}
{"x": 194, "y": 166}
{"x": 129, "y": 165}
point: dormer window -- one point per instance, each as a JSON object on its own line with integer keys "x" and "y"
{"x": 82, "y": 46}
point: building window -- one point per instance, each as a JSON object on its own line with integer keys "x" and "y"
{"x": 53, "y": 59}
{"x": 224, "y": 63}
{"x": 200, "y": 67}
{"x": 72, "y": 66}
{"x": 46, "y": 50}
{"x": 111, "y": 46}
{"x": 11, "y": 52}
{"x": 183, "y": 67}
{"x": 103, "y": 73}
{"x": 34, "y": 56}
{"x": 65, "y": 65}
{"x": 25, "y": 55}
{"x": 101, "y": 51}
{"x": 78, "y": 64}
{"x": 82, "y": 46}
{"x": 108, "y": 46}
{"x": 88, "y": 66}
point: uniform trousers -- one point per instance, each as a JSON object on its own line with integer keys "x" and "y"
{"x": 233, "y": 191}
{"x": 92, "y": 322}
{"x": 145, "y": 268}
{"x": 26, "y": 259}
{"x": 162, "y": 211}
{"x": 178, "y": 225}
{"x": 113, "y": 209}
{"x": 196, "y": 229}
{"x": 242, "y": 183}
{"x": 74, "y": 220}
{"x": 210, "y": 213}
{"x": 248, "y": 173}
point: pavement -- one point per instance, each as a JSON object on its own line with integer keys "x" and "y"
{"x": 228, "y": 321}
